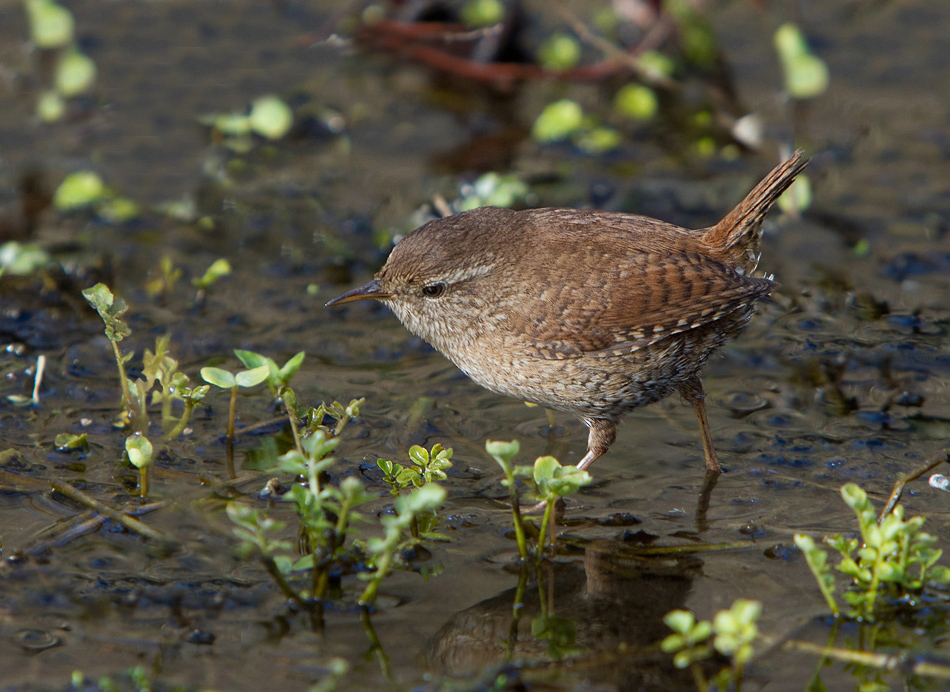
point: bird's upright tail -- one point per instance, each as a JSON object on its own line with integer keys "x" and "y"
{"x": 737, "y": 235}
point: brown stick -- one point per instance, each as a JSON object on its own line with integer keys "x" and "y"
{"x": 128, "y": 522}
{"x": 895, "y": 497}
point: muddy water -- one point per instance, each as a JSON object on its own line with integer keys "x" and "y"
{"x": 826, "y": 386}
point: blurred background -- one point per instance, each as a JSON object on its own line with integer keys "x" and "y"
{"x": 228, "y": 167}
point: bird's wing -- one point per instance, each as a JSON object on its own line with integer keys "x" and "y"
{"x": 645, "y": 297}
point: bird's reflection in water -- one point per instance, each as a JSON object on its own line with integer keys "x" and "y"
{"x": 605, "y": 618}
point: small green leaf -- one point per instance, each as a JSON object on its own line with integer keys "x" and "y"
{"x": 110, "y": 309}
{"x": 252, "y": 360}
{"x": 139, "y": 450}
{"x": 426, "y": 499}
{"x": 78, "y": 191}
{"x": 68, "y": 442}
{"x": 75, "y": 74}
{"x": 636, "y": 101}
{"x": 117, "y": 210}
{"x": 854, "y": 496}
{"x": 229, "y": 124}
{"x": 680, "y": 621}
{"x": 559, "y": 52}
{"x": 545, "y": 469}
{"x": 476, "y": 13}
{"x": 939, "y": 574}
{"x": 51, "y": 25}
{"x": 558, "y": 121}
{"x": 656, "y": 65}
{"x": 673, "y": 643}
{"x": 292, "y": 366}
{"x": 218, "y": 269}
{"x": 50, "y": 107}
{"x": 597, "y": 140}
{"x": 418, "y": 455}
{"x": 252, "y": 377}
{"x": 219, "y": 378}
{"x": 806, "y": 75}
{"x": 502, "y": 450}
{"x": 270, "y": 117}
{"x": 22, "y": 260}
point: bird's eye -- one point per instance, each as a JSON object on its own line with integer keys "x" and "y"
{"x": 433, "y": 290}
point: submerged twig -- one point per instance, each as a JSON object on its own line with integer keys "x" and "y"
{"x": 128, "y": 522}
{"x": 943, "y": 457}
{"x": 902, "y": 662}
{"x": 617, "y": 53}
{"x": 81, "y": 525}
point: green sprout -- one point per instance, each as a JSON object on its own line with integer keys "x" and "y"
{"x": 139, "y": 451}
{"x": 326, "y": 513}
{"x": 894, "y": 558}
{"x": 428, "y": 467}
{"x": 277, "y": 377}
{"x": 253, "y": 528}
{"x": 110, "y": 309}
{"x": 219, "y": 377}
{"x": 218, "y": 270}
{"x": 382, "y": 551}
{"x": 503, "y": 453}
{"x": 160, "y": 368}
{"x": 555, "y": 481}
{"x": 806, "y": 75}
{"x": 733, "y": 631}
{"x": 164, "y": 284}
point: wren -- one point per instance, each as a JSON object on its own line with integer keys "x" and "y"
{"x": 591, "y": 312}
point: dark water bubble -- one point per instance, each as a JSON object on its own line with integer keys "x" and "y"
{"x": 201, "y": 637}
{"x": 744, "y": 402}
{"x": 910, "y": 399}
{"x": 35, "y": 640}
{"x": 751, "y": 529}
{"x": 618, "y": 519}
{"x": 780, "y": 552}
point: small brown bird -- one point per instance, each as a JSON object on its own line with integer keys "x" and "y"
{"x": 591, "y": 312}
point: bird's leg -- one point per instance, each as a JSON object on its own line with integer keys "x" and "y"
{"x": 692, "y": 391}
{"x": 603, "y": 432}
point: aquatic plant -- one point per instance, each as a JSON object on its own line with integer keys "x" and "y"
{"x": 552, "y": 482}
{"x": 895, "y": 558}
{"x": 731, "y": 633}
{"x": 327, "y": 513}
{"x": 229, "y": 381}
{"x": 427, "y": 467}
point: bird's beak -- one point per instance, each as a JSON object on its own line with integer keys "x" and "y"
{"x": 369, "y": 290}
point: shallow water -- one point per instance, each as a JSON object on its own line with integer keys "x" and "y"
{"x": 814, "y": 394}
